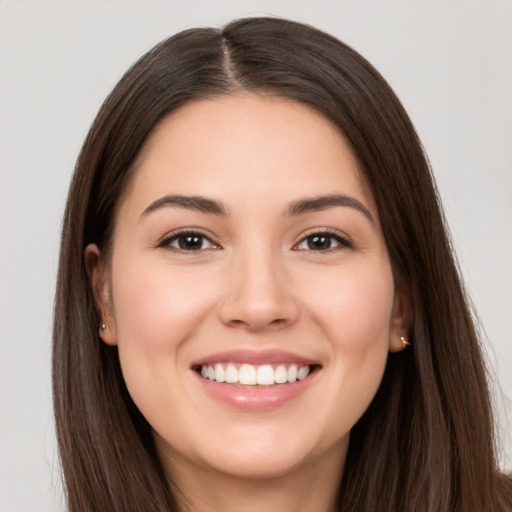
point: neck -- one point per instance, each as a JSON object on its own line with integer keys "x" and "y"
{"x": 312, "y": 487}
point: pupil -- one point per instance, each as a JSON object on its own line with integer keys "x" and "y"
{"x": 191, "y": 242}
{"x": 319, "y": 242}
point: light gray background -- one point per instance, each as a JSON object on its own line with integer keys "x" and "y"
{"x": 450, "y": 62}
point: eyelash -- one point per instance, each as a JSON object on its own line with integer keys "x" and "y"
{"x": 342, "y": 241}
{"x": 190, "y": 232}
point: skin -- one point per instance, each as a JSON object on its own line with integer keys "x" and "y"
{"x": 257, "y": 285}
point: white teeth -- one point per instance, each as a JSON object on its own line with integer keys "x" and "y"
{"x": 292, "y": 373}
{"x": 247, "y": 374}
{"x": 303, "y": 372}
{"x": 265, "y": 375}
{"x": 250, "y": 375}
{"x": 219, "y": 373}
{"x": 231, "y": 374}
{"x": 281, "y": 375}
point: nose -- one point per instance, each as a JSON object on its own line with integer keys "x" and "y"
{"x": 259, "y": 294}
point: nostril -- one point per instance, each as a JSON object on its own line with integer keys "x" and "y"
{"x": 278, "y": 321}
{"x": 256, "y": 324}
{"x": 255, "y": 312}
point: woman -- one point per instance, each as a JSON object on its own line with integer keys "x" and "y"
{"x": 257, "y": 305}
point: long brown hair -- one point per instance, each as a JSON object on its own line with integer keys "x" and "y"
{"x": 426, "y": 441}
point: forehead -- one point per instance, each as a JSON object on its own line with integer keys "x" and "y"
{"x": 251, "y": 146}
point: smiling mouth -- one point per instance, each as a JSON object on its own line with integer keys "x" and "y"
{"x": 255, "y": 375}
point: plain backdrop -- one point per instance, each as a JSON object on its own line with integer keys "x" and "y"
{"x": 449, "y": 61}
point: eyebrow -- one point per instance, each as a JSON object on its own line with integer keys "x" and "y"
{"x": 315, "y": 204}
{"x": 195, "y": 203}
{"x": 210, "y": 206}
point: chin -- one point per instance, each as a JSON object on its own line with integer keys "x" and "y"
{"x": 261, "y": 466}
{"x": 258, "y": 453}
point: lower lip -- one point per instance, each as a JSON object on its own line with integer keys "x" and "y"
{"x": 256, "y": 397}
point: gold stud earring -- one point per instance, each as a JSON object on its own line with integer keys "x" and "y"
{"x": 405, "y": 343}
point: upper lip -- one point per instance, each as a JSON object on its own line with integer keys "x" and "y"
{"x": 254, "y": 357}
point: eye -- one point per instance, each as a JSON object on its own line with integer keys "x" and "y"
{"x": 322, "y": 241}
{"x": 188, "y": 241}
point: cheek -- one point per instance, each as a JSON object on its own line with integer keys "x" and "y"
{"x": 157, "y": 306}
{"x": 356, "y": 308}
{"x": 355, "y": 313}
{"x": 157, "y": 310}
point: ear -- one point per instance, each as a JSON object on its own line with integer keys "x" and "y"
{"x": 102, "y": 294}
{"x": 401, "y": 320}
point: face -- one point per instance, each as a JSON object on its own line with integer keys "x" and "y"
{"x": 249, "y": 289}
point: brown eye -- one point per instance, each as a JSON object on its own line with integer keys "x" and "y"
{"x": 322, "y": 242}
{"x": 319, "y": 242}
{"x": 189, "y": 242}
